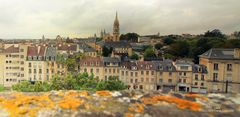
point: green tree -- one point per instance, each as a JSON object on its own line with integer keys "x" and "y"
{"x": 158, "y": 46}
{"x": 180, "y": 48}
{"x": 106, "y": 51}
{"x": 130, "y": 37}
{"x": 135, "y": 56}
{"x": 168, "y": 40}
{"x": 149, "y": 53}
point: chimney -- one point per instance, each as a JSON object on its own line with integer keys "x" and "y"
{"x": 39, "y": 49}
{"x": 237, "y": 53}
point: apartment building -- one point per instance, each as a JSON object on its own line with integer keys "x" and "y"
{"x": 223, "y": 67}
{"x": 139, "y": 75}
{"x": 199, "y": 79}
{"x": 12, "y": 65}
{"x": 184, "y": 69}
{"x": 166, "y": 76}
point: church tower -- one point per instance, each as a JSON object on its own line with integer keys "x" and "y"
{"x": 116, "y": 29}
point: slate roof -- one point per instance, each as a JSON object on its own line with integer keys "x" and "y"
{"x": 111, "y": 59}
{"x": 86, "y": 48}
{"x": 218, "y": 53}
{"x": 86, "y": 40}
{"x": 165, "y": 66}
{"x": 51, "y": 51}
{"x": 199, "y": 68}
{"x": 119, "y": 44}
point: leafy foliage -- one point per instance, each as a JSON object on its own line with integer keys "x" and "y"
{"x": 130, "y": 37}
{"x": 81, "y": 81}
{"x": 106, "y": 51}
{"x": 149, "y": 53}
{"x": 2, "y": 88}
{"x": 134, "y": 56}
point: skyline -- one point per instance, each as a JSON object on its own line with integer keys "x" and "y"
{"x": 83, "y": 18}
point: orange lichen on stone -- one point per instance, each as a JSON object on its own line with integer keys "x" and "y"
{"x": 128, "y": 115}
{"x": 83, "y": 94}
{"x": 20, "y": 104}
{"x": 180, "y": 103}
{"x": 70, "y": 103}
{"x": 137, "y": 107}
{"x": 149, "y": 101}
{"x": 196, "y": 96}
{"x": 104, "y": 93}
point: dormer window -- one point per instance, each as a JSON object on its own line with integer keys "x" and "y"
{"x": 170, "y": 68}
{"x": 199, "y": 69}
{"x": 160, "y": 67}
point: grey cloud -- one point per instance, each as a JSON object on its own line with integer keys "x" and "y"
{"x": 33, "y": 18}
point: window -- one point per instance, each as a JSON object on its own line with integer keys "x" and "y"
{"x": 136, "y": 80}
{"x": 180, "y": 80}
{"x": 184, "y": 80}
{"x": 202, "y": 78}
{"x": 40, "y": 71}
{"x": 136, "y": 74}
{"x": 202, "y": 84}
{"x": 184, "y": 73}
{"x": 160, "y": 80}
{"x": 161, "y": 73}
{"x": 215, "y": 66}
{"x": 97, "y": 70}
{"x": 170, "y": 73}
{"x": 169, "y": 80}
{"x": 29, "y": 65}
{"x": 105, "y": 70}
{"x": 114, "y": 70}
{"x": 131, "y": 74}
{"x": 147, "y": 72}
{"x": 35, "y": 71}
{"x": 196, "y": 83}
{"x": 122, "y": 73}
{"x": 152, "y": 72}
{"x": 184, "y": 67}
{"x": 141, "y": 72}
{"x": 215, "y": 76}
{"x": 91, "y": 70}
{"x": 229, "y": 67}
{"x": 47, "y": 70}
{"x": 22, "y": 56}
{"x": 85, "y": 70}
{"x": 196, "y": 76}
{"x": 131, "y": 80}
{"x": 30, "y": 71}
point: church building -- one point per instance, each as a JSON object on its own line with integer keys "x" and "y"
{"x": 116, "y": 34}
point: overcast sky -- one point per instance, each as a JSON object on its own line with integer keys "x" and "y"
{"x": 81, "y": 18}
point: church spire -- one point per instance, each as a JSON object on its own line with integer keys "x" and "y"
{"x": 116, "y": 28}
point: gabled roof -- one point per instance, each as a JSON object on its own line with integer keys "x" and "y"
{"x": 36, "y": 51}
{"x": 11, "y": 49}
{"x": 218, "y": 53}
